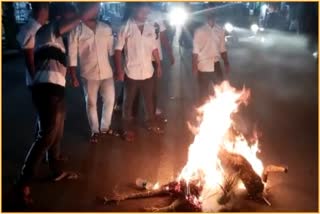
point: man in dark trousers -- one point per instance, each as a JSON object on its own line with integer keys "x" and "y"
{"x": 138, "y": 40}
{"x": 48, "y": 88}
{"x": 208, "y": 48}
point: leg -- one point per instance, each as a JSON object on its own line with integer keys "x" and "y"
{"x": 108, "y": 95}
{"x": 54, "y": 152}
{"x": 46, "y": 104}
{"x": 217, "y": 74}
{"x": 130, "y": 92}
{"x": 91, "y": 88}
{"x": 146, "y": 90}
{"x": 204, "y": 83}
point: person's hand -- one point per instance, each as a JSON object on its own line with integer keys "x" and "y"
{"x": 75, "y": 82}
{"x": 159, "y": 71}
{"x": 120, "y": 75}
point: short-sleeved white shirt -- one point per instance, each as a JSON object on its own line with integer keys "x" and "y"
{"x": 51, "y": 70}
{"x": 138, "y": 48}
{"x": 26, "y": 40}
{"x": 208, "y": 44}
{"x": 93, "y": 50}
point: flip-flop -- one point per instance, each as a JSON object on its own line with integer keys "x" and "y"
{"x": 112, "y": 132}
{"x": 94, "y": 138}
{"x": 155, "y": 130}
{"x": 67, "y": 175}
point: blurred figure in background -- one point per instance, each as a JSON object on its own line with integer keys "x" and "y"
{"x": 92, "y": 43}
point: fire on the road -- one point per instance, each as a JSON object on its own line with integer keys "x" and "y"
{"x": 214, "y": 134}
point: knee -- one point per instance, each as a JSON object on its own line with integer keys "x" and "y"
{"x": 91, "y": 103}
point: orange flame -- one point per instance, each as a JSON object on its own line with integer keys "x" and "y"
{"x": 212, "y": 135}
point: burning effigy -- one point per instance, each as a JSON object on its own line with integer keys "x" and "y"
{"x": 220, "y": 161}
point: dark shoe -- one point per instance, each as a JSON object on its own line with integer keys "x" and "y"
{"x": 94, "y": 138}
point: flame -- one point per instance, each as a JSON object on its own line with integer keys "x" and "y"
{"x": 213, "y": 134}
{"x": 156, "y": 186}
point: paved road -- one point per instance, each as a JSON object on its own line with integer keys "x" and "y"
{"x": 283, "y": 81}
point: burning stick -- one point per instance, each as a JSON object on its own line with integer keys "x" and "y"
{"x": 272, "y": 168}
{"x": 137, "y": 195}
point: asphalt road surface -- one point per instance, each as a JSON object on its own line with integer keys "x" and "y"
{"x": 282, "y": 76}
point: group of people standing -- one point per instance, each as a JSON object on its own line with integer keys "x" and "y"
{"x": 61, "y": 39}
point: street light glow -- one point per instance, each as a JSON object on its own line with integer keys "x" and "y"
{"x": 178, "y": 16}
{"x": 254, "y": 28}
{"x": 229, "y": 27}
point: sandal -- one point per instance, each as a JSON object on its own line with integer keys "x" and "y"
{"x": 66, "y": 176}
{"x": 111, "y": 132}
{"x": 128, "y": 136}
{"x": 155, "y": 130}
{"x": 94, "y": 138}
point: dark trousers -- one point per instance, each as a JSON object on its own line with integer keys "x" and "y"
{"x": 131, "y": 89}
{"x": 154, "y": 94}
{"x": 49, "y": 101}
{"x": 206, "y": 80}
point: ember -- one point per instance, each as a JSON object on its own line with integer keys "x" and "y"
{"x": 220, "y": 160}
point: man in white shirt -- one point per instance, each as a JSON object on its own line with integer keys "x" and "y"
{"x": 208, "y": 47}
{"x": 92, "y": 43}
{"x": 27, "y": 33}
{"x": 48, "y": 97}
{"x": 138, "y": 40}
{"x": 26, "y": 40}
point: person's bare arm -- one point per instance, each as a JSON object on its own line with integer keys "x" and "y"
{"x": 29, "y": 57}
{"x": 156, "y": 56}
{"x": 165, "y": 42}
{"x": 66, "y": 25}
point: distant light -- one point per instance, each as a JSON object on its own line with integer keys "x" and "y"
{"x": 261, "y": 29}
{"x": 254, "y": 28}
{"x": 178, "y": 16}
{"x": 262, "y": 39}
{"x": 315, "y": 54}
{"x": 229, "y": 27}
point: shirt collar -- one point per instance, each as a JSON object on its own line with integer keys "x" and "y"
{"x": 34, "y": 22}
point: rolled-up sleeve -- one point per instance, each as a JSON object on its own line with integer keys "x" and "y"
{"x": 196, "y": 43}
{"x": 26, "y": 38}
{"x": 121, "y": 38}
{"x": 73, "y": 48}
{"x": 223, "y": 43}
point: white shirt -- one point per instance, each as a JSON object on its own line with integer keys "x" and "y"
{"x": 156, "y": 19}
{"x": 138, "y": 48}
{"x": 26, "y": 40}
{"x": 50, "y": 71}
{"x": 93, "y": 50}
{"x": 208, "y": 44}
